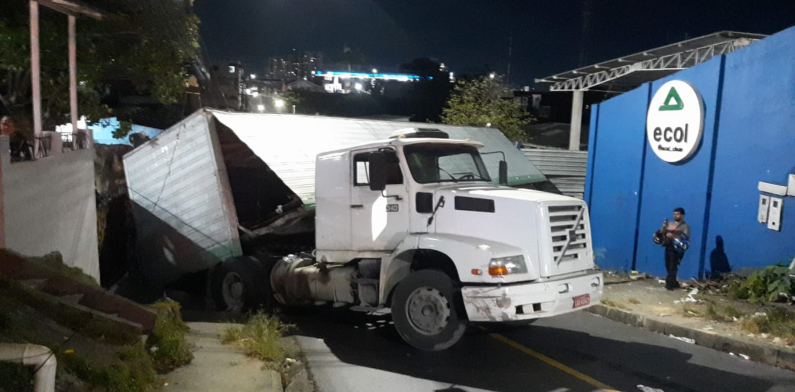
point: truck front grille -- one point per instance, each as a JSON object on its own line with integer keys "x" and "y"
{"x": 562, "y": 219}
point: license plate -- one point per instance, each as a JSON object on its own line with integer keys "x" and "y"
{"x": 582, "y": 300}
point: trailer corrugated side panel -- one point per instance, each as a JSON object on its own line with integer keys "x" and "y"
{"x": 564, "y": 168}
{"x": 289, "y": 144}
{"x": 181, "y": 201}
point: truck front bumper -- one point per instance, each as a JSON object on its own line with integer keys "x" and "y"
{"x": 528, "y": 301}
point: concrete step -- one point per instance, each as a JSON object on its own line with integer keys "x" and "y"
{"x": 91, "y": 297}
{"x": 33, "y": 284}
{"x": 72, "y": 298}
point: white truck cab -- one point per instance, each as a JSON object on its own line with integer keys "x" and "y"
{"x": 415, "y": 224}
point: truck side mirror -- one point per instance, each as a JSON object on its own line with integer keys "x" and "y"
{"x": 377, "y": 171}
{"x": 503, "y": 173}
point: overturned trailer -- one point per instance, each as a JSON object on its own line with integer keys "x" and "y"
{"x": 218, "y": 181}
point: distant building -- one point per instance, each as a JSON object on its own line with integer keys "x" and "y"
{"x": 226, "y": 86}
{"x": 296, "y": 65}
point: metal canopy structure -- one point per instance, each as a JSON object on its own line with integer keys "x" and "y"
{"x": 628, "y": 72}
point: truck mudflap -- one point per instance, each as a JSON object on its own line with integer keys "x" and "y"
{"x": 533, "y": 300}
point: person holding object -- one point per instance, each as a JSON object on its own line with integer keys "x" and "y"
{"x": 675, "y": 239}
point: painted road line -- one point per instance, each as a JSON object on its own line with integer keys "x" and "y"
{"x": 553, "y": 363}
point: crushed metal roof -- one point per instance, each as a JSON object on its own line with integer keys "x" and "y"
{"x": 627, "y": 72}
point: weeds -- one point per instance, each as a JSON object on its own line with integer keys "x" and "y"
{"x": 634, "y": 301}
{"x": 260, "y": 337}
{"x": 15, "y": 377}
{"x": 614, "y": 304}
{"x": 691, "y": 311}
{"x": 167, "y": 344}
{"x": 80, "y": 321}
{"x": 134, "y": 373}
{"x": 54, "y": 261}
{"x": 770, "y": 284}
{"x": 776, "y": 322}
{"x": 137, "y": 364}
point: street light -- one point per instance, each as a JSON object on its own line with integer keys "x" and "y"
{"x": 492, "y": 75}
{"x": 375, "y": 70}
{"x": 261, "y": 107}
{"x": 358, "y": 87}
{"x": 253, "y": 76}
{"x": 279, "y": 103}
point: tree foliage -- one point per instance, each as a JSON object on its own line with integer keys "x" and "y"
{"x": 140, "y": 47}
{"x": 482, "y": 101}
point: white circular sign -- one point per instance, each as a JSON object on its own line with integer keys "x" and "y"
{"x": 675, "y": 121}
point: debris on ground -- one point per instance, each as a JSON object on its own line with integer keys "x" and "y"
{"x": 649, "y": 389}
{"x": 686, "y": 340}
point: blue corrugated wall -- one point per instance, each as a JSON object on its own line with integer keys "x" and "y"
{"x": 749, "y": 136}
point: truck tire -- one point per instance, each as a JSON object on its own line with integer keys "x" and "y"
{"x": 240, "y": 284}
{"x": 426, "y": 312}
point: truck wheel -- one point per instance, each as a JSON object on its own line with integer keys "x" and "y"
{"x": 240, "y": 284}
{"x": 425, "y": 313}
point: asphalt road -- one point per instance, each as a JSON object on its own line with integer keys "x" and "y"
{"x": 353, "y": 352}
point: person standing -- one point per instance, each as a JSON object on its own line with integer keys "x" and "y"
{"x": 674, "y": 232}
{"x": 20, "y": 148}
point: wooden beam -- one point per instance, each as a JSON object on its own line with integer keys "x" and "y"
{"x": 71, "y": 8}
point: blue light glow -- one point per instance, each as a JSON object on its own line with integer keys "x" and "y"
{"x": 365, "y": 75}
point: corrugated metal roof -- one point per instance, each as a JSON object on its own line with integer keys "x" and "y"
{"x": 289, "y": 144}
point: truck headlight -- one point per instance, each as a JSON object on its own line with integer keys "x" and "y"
{"x": 507, "y": 266}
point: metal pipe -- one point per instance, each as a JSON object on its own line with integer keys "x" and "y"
{"x": 35, "y": 72}
{"x": 73, "y": 72}
{"x": 33, "y": 355}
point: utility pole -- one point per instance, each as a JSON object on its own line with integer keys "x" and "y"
{"x": 510, "y": 52}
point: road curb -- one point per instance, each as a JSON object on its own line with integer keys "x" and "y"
{"x": 757, "y": 352}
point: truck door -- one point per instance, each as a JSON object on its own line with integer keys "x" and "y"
{"x": 379, "y": 220}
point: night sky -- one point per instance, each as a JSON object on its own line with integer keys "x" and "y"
{"x": 549, "y": 36}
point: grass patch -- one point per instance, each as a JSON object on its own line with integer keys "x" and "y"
{"x": 260, "y": 337}
{"x": 167, "y": 344}
{"x": 133, "y": 373}
{"x": 54, "y": 261}
{"x": 16, "y": 377}
{"x": 778, "y": 322}
{"x": 614, "y": 304}
{"x": 691, "y": 311}
{"x": 634, "y": 301}
{"x": 723, "y": 313}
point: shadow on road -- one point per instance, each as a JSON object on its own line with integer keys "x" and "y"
{"x": 482, "y": 362}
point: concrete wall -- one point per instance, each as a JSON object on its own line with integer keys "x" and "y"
{"x": 749, "y": 136}
{"x": 49, "y": 205}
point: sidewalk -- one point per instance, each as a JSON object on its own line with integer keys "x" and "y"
{"x": 218, "y": 367}
{"x": 707, "y": 320}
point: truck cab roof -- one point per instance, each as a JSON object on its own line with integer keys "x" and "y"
{"x": 400, "y": 142}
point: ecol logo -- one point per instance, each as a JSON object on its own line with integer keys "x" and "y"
{"x": 675, "y": 121}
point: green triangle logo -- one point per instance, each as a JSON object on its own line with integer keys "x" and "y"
{"x": 677, "y": 102}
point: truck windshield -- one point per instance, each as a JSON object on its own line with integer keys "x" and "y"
{"x": 445, "y": 163}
